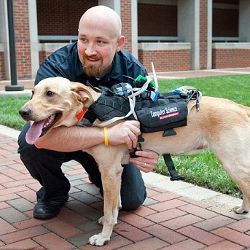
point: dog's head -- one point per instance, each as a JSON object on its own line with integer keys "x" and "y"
{"x": 55, "y": 102}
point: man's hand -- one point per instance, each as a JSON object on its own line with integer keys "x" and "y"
{"x": 146, "y": 161}
{"x": 127, "y": 133}
{"x": 124, "y": 133}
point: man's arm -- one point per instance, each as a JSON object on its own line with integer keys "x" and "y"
{"x": 64, "y": 139}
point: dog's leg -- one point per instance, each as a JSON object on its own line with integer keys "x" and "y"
{"x": 231, "y": 146}
{"x": 244, "y": 208}
{"x": 100, "y": 221}
{"x": 111, "y": 181}
{"x": 242, "y": 180}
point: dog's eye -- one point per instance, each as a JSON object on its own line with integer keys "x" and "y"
{"x": 49, "y": 93}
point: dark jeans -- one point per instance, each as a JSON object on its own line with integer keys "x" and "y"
{"x": 45, "y": 166}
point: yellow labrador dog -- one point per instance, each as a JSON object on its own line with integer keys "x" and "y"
{"x": 221, "y": 125}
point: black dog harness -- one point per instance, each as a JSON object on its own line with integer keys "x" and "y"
{"x": 168, "y": 111}
{"x": 154, "y": 111}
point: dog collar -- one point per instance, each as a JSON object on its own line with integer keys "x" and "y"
{"x": 80, "y": 115}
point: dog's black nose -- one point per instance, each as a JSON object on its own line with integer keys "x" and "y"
{"x": 25, "y": 113}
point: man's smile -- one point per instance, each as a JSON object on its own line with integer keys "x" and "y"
{"x": 90, "y": 60}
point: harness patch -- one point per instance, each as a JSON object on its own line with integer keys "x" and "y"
{"x": 165, "y": 113}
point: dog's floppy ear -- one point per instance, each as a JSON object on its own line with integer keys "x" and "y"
{"x": 84, "y": 94}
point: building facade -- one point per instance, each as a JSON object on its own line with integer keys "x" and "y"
{"x": 174, "y": 34}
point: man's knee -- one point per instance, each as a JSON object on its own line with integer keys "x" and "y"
{"x": 28, "y": 153}
{"x": 133, "y": 190}
{"x": 22, "y": 141}
{"x": 30, "y": 158}
{"x": 134, "y": 201}
{"x": 33, "y": 158}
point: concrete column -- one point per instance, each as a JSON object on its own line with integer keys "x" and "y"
{"x": 209, "y": 32}
{"x": 189, "y": 27}
{"x": 4, "y": 36}
{"x": 244, "y": 20}
{"x": 33, "y": 37}
{"x": 134, "y": 28}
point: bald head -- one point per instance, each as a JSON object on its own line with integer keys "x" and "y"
{"x": 99, "y": 38}
{"x": 103, "y": 16}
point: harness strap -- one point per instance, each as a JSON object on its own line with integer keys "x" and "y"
{"x": 171, "y": 168}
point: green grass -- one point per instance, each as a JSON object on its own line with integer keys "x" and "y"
{"x": 202, "y": 169}
{"x": 9, "y": 115}
{"x": 236, "y": 88}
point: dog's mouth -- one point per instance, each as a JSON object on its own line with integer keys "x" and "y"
{"x": 40, "y": 128}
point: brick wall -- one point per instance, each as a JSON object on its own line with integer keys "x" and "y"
{"x": 157, "y": 20}
{"x": 23, "y": 56}
{"x": 43, "y": 55}
{"x": 46, "y": 49}
{"x": 126, "y": 23}
{"x": 2, "y": 67}
{"x": 203, "y": 34}
{"x": 166, "y": 60}
{"x": 231, "y": 58}
{"x": 61, "y": 17}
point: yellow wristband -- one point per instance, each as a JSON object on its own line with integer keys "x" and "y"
{"x": 106, "y": 139}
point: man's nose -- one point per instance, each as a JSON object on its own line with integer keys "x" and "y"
{"x": 90, "y": 49}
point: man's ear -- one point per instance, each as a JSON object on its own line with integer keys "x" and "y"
{"x": 121, "y": 42}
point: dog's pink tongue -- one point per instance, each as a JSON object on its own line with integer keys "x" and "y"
{"x": 34, "y": 132}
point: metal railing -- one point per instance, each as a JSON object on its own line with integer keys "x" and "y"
{"x": 157, "y": 38}
{"x": 54, "y": 38}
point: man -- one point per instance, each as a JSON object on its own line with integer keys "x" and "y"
{"x": 96, "y": 59}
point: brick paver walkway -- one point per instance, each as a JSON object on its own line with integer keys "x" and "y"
{"x": 165, "y": 221}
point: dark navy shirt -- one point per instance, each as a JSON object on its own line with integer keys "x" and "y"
{"x": 65, "y": 63}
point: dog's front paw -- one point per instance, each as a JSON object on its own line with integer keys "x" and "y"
{"x": 240, "y": 210}
{"x": 98, "y": 240}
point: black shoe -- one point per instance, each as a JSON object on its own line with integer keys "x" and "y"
{"x": 48, "y": 209}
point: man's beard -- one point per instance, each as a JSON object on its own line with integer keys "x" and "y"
{"x": 93, "y": 70}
